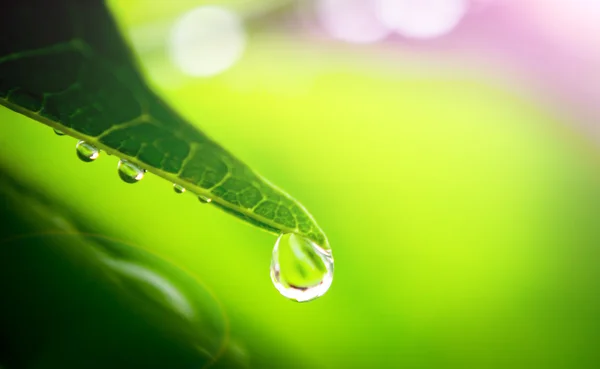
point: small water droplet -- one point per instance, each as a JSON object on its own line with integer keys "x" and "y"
{"x": 178, "y": 188}
{"x": 129, "y": 172}
{"x": 204, "y": 199}
{"x": 87, "y": 152}
{"x": 59, "y": 133}
{"x": 300, "y": 269}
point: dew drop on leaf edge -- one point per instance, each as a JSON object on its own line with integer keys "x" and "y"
{"x": 204, "y": 199}
{"x": 58, "y": 132}
{"x": 300, "y": 269}
{"x": 87, "y": 152}
{"x": 129, "y": 172}
{"x": 178, "y": 188}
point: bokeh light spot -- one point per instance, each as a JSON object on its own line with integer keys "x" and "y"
{"x": 352, "y": 21}
{"x": 421, "y": 19}
{"x": 207, "y": 41}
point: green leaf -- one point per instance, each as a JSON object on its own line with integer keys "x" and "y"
{"x": 64, "y": 63}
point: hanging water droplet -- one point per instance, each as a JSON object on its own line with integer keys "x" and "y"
{"x": 300, "y": 269}
{"x": 178, "y": 188}
{"x": 87, "y": 152}
{"x": 129, "y": 172}
{"x": 204, "y": 199}
{"x": 59, "y": 133}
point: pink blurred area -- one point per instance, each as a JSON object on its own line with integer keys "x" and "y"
{"x": 550, "y": 48}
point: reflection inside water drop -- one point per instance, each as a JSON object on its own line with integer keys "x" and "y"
{"x": 87, "y": 152}
{"x": 204, "y": 199}
{"x": 129, "y": 172}
{"x": 178, "y": 188}
{"x": 300, "y": 269}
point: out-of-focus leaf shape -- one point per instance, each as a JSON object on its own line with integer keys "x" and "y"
{"x": 65, "y": 64}
{"x": 76, "y": 300}
{"x": 73, "y": 299}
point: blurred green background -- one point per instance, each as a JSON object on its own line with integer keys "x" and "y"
{"x": 462, "y": 212}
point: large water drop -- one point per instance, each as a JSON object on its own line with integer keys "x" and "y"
{"x": 300, "y": 269}
{"x": 87, "y": 152}
{"x": 129, "y": 172}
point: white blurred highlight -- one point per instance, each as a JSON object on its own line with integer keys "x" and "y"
{"x": 353, "y": 21}
{"x": 207, "y": 41}
{"x": 176, "y": 300}
{"x": 422, "y": 19}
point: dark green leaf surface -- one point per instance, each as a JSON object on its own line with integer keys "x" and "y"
{"x": 72, "y": 299}
{"x": 64, "y": 64}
